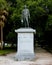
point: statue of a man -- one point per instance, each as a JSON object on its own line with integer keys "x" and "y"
{"x": 25, "y": 16}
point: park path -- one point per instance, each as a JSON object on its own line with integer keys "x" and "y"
{"x": 42, "y": 58}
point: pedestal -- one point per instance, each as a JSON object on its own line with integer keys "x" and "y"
{"x": 25, "y": 44}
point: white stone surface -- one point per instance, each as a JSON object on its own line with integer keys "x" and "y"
{"x": 25, "y": 30}
{"x": 25, "y": 44}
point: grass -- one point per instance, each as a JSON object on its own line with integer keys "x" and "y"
{"x": 7, "y": 51}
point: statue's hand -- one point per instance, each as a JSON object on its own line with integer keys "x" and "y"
{"x": 22, "y": 21}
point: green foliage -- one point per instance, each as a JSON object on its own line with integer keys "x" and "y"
{"x": 12, "y": 37}
{"x": 3, "y": 4}
{"x": 41, "y": 17}
{"x": 49, "y": 23}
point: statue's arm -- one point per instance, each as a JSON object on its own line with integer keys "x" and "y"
{"x": 22, "y": 17}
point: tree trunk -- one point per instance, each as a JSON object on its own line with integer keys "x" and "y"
{"x": 1, "y": 37}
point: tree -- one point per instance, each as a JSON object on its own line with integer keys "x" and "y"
{"x": 3, "y": 14}
{"x": 40, "y": 11}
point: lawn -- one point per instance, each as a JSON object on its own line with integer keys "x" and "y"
{"x": 7, "y": 51}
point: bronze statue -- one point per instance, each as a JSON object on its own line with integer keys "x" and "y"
{"x": 25, "y": 16}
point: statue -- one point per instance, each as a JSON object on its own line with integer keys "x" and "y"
{"x": 25, "y": 16}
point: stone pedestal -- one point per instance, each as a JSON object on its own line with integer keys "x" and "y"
{"x": 25, "y": 44}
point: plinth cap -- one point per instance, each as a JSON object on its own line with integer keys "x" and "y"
{"x": 25, "y": 30}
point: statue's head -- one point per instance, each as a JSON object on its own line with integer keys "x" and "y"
{"x": 25, "y": 6}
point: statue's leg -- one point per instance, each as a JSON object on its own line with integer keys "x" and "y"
{"x": 24, "y": 22}
{"x": 27, "y": 21}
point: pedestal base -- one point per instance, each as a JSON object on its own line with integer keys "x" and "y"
{"x": 25, "y": 56}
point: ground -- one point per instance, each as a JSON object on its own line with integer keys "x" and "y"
{"x": 42, "y": 58}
